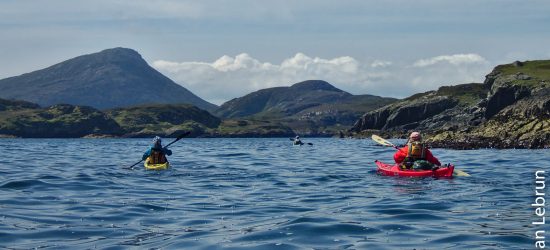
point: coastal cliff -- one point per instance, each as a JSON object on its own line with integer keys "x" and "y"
{"x": 511, "y": 109}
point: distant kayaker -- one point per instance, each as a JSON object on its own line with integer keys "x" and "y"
{"x": 157, "y": 154}
{"x": 297, "y": 141}
{"x": 415, "y": 153}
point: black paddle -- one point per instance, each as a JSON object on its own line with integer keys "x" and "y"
{"x": 177, "y": 139}
{"x": 301, "y": 143}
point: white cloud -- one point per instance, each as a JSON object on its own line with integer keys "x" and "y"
{"x": 230, "y": 77}
{"x": 457, "y": 59}
{"x": 380, "y": 64}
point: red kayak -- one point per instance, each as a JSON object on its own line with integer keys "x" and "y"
{"x": 395, "y": 170}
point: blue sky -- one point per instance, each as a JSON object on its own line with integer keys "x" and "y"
{"x": 225, "y": 49}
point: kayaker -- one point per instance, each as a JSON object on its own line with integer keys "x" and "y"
{"x": 157, "y": 154}
{"x": 297, "y": 141}
{"x": 415, "y": 151}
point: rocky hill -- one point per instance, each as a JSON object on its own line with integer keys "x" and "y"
{"x": 58, "y": 121}
{"x": 111, "y": 78}
{"x": 167, "y": 120}
{"x": 448, "y": 108}
{"x": 311, "y": 107}
{"x": 511, "y": 109}
{"x": 28, "y": 120}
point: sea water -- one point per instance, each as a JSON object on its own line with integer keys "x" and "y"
{"x": 259, "y": 194}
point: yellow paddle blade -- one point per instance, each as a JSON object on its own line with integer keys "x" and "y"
{"x": 459, "y": 172}
{"x": 381, "y": 141}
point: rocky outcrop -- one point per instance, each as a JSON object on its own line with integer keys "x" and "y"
{"x": 251, "y": 128}
{"x": 166, "y": 120}
{"x": 409, "y": 114}
{"x": 511, "y": 110}
{"x": 525, "y": 124}
{"x": 504, "y": 92}
{"x": 405, "y": 114}
{"x": 444, "y": 108}
{"x": 23, "y": 119}
{"x": 62, "y": 121}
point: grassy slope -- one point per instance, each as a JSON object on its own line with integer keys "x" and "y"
{"x": 167, "y": 118}
{"x": 56, "y": 121}
{"x": 251, "y": 127}
{"x": 538, "y": 71}
{"x": 466, "y": 94}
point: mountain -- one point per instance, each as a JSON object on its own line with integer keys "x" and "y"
{"x": 111, "y": 78}
{"x": 311, "y": 107}
{"x": 283, "y": 100}
{"x": 511, "y": 109}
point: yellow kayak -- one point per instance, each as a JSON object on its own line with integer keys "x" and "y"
{"x": 156, "y": 166}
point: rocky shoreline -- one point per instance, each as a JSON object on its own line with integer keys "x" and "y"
{"x": 511, "y": 109}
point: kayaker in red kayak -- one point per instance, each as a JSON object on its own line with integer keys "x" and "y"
{"x": 414, "y": 151}
{"x": 157, "y": 154}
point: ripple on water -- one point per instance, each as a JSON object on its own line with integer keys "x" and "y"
{"x": 23, "y": 184}
{"x": 258, "y": 194}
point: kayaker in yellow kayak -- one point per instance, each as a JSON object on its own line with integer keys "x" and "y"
{"x": 156, "y": 154}
{"x": 415, "y": 154}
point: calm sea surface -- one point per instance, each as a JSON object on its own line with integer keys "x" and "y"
{"x": 259, "y": 194}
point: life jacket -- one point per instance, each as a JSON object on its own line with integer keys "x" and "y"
{"x": 416, "y": 151}
{"x": 157, "y": 157}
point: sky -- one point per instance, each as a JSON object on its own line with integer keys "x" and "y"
{"x": 222, "y": 50}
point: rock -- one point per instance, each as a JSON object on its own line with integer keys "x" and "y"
{"x": 60, "y": 121}
{"x": 372, "y": 120}
{"x": 8, "y": 136}
{"x": 523, "y": 77}
{"x": 501, "y": 96}
{"x": 404, "y": 115}
{"x": 421, "y": 110}
{"x": 512, "y": 111}
{"x": 517, "y": 64}
{"x": 98, "y": 136}
{"x": 490, "y": 78}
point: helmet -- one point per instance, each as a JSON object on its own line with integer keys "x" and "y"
{"x": 157, "y": 139}
{"x": 297, "y": 137}
{"x": 157, "y": 142}
{"x": 415, "y": 136}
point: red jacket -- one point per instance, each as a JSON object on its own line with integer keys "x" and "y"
{"x": 400, "y": 155}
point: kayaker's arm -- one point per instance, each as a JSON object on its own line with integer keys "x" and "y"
{"x": 146, "y": 154}
{"x": 167, "y": 151}
{"x": 431, "y": 158}
{"x": 400, "y": 155}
